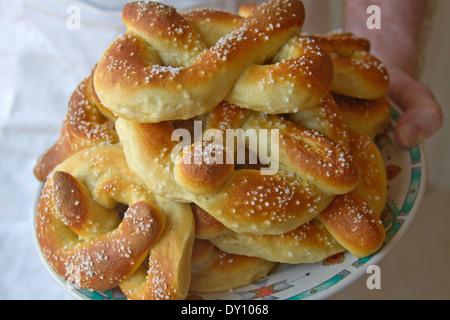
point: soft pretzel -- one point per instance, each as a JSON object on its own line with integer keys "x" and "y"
{"x": 357, "y": 73}
{"x": 354, "y": 219}
{"x": 296, "y": 80}
{"x": 214, "y": 270}
{"x": 129, "y": 208}
{"x": 87, "y": 123}
{"x": 367, "y": 117}
{"x": 83, "y": 238}
{"x": 85, "y": 241}
{"x": 312, "y": 170}
{"x": 161, "y": 68}
{"x": 351, "y": 222}
{"x": 372, "y": 183}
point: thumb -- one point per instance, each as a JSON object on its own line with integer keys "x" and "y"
{"x": 422, "y": 114}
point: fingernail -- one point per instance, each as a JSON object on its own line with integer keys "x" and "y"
{"x": 410, "y": 134}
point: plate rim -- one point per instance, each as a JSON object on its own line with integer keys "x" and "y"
{"x": 398, "y": 236}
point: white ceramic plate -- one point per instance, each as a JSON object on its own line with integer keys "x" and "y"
{"x": 407, "y": 176}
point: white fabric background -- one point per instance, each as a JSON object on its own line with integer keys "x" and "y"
{"x": 42, "y": 61}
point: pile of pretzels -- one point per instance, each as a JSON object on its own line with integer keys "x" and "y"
{"x": 121, "y": 207}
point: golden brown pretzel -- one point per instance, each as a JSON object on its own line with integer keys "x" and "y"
{"x": 325, "y": 118}
{"x": 84, "y": 239}
{"x": 357, "y": 73}
{"x": 312, "y": 170}
{"x": 351, "y": 222}
{"x": 366, "y": 117}
{"x": 162, "y": 68}
{"x": 354, "y": 219}
{"x": 87, "y": 123}
{"x": 214, "y": 270}
{"x": 326, "y": 197}
{"x": 166, "y": 275}
{"x": 81, "y": 236}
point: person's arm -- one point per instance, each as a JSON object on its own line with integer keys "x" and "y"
{"x": 397, "y": 45}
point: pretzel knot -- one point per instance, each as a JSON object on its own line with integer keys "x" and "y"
{"x": 85, "y": 240}
{"x": 170, "y": 67}
{"x": 357, "y": 73}
{"x": 310, "y": 171}
{"x": 351, "y": 221}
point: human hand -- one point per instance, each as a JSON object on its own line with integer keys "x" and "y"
{"x": 397, "y": 45}
{"x": 422, "y": 115}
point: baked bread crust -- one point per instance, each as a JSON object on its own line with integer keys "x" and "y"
{"x": 161, "y": 69}
{"x": 351, "y": 221}
{"x": 357, "y": 73}
{"x": 86, "y": 241}
{"x": 122, "y": 206}
{"x": 80, "y": 234}
{"x": 214, "y": 270}
{"x": 312, "y": 170}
